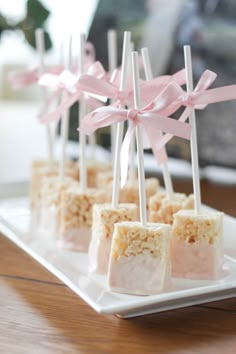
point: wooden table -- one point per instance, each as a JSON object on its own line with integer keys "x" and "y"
{"x": 39, "y": 314}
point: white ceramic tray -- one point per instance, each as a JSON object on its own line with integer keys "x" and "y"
{"x": 72, "y": 269}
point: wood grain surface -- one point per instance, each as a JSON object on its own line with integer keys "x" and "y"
{"x": 39, "y": 314}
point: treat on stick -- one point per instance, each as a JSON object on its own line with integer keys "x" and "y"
{"x": 139, "y": 260}
{"x": 39, "y": 39}
{"x": 197, "y": 237}
{"x": 104, "y": 216}
{"x": 77, "y": 203}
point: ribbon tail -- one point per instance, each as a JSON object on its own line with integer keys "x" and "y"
{"x": 167, "y": 137}
{"x": 55, "y": 115}
{"x": 124, "y": 154}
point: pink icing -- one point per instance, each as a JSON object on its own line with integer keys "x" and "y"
{"x": 48, "y": 220}
{"x": 138, "y": 275}
{"x": 75, "y": 239}
{"x": 198, "y": 260}
{"x": 99, "y": 254}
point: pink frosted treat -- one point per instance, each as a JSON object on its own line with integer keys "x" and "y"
{"x": 75, "y": 219}
{"x": 139, "y": 261}
{"x": 104, "y": 219}
{"x": 162, "y": 208}
{"x": 197, "y": 245}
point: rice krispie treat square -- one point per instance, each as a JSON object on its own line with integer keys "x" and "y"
{"x": 162, "y": 208}
{"x": 40, "y": 170}
{"x": 75, "y": 219}
{"x": 52, "y": 189}
{"x": 139, "y": 260}
{"x": 130, "y": 192}
{"x": 95, "y": 167}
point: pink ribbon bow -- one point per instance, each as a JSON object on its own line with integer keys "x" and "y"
{"x": 149, "y": 90}
{"x": 69, "y": 83}
{"x": 152, "y": 118}
{"x": 25, "y": 78}
{"x": 99, "y": 85}
{"x": 199, "y": 99}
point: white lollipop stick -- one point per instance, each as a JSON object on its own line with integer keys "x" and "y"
{"x": 132, "y": 169}
{"x": 65, "y": 120}
{"x": 194, "y": 147}
{"x": 82, "y": 112}
{"x": 141, "y": 173}
{"x": 165, "y": 168}
{"x": 92, "y": 144}
{"x": 40, "y": 46}
{"x": 112, "y": 65}
{"x": 120, "y": 126}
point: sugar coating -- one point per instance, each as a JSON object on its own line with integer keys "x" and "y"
{"x": 93, "y": 168}
{"x": 139, "y": 262}
{"x": 197, "y": 245}
{"x": 162, "y": 209}
{"x": 130, "y": 192}
{"x": 104, "y": 219}
{"x": 132, "y": 239}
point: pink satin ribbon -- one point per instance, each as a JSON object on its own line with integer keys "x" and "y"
{"x": 152, "y": 119}
{"x": 26, "y": 78}
{"x": 199, "y": 99}
{"x": 68, "y": 82}
{"x": 99, "y": 85}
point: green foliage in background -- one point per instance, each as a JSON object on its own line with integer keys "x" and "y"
{"x": 36, "y": 16}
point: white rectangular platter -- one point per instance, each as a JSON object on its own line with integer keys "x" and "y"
{"x": 72, "y": 269}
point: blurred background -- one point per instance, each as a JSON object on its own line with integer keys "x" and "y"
{"x": 164, "y": 26}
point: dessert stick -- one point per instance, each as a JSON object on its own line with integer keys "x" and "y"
{"x": 65, "y": 120}
{"x": 141, "y": 172}
{"x": 39, "y": 39}
{"x": 120, "y": 126}
{"x": 165, "y": 169}
{"x": 194, "y": 147}
{"x": 132, "y": 169}
{"x": 82, "y": 112}
{"x": 112, "y": 65}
